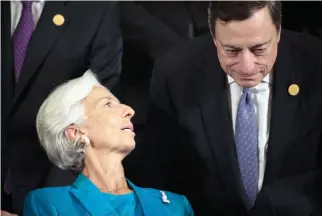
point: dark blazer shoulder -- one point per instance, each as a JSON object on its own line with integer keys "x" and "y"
{"x": 97, "y": 6}
{"x": 183, "y": 58}
{"x": 177, "y": 73}
{"x": 305, "y": 51}
{"x": 303, "y": 45}
{"x": 93, "y": 10}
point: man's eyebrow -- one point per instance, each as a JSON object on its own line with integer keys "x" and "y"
{"x": 259, "y": 45}
{"x": 231, "y": 47}
{"x": 252, "y": 47}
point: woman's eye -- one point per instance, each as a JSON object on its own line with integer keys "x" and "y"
{"x": 108, "y": 104}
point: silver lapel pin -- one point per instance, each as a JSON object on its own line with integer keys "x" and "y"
{"x": 164, "y": 197}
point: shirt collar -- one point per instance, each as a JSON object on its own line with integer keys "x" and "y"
{"x": 266, "y": 79}
{"x": 35, "y": 1}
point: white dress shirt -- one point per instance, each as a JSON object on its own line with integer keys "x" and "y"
{"x": 261, "y": 97}
{"x": 16, "y": 8}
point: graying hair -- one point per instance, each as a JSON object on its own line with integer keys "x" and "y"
{"x": 62, "y": 108}
{"x": 241, "y": 10}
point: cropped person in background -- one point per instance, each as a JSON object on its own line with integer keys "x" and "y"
{"x": 83, "y": 127}
{"x": 43, "y": 44}
{"x": 237, "y": 114}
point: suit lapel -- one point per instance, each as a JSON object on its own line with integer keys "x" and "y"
{"x": 6, "y": 57}
{"x": 217, "y": 120}
{"x": 94, "y": 202}
{"x": 42, "y": 41}
{"x": 91, "y": 198}
{"x": 287, "y": 71}
{"x": 150, "y": 203}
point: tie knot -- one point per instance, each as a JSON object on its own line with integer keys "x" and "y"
{"x": 26, "y": 4}
{"x": 246, "y": 90}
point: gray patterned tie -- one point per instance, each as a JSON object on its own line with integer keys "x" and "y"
{"x": 22, "y": 36}
{"x": 246, "y": 138}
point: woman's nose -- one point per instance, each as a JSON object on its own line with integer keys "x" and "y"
{"x": 128, "y": 112}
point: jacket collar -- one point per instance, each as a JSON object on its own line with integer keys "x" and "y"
{"x": 92, "y": 199}
{"x": 152, "y": 203}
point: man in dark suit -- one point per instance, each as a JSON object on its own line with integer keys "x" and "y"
{"x": 44, "y": 44}
{"x": 237, "y": 111}
{"x": 150, "y": 29}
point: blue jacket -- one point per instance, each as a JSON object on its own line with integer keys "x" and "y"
{"x": 84, "y": 198}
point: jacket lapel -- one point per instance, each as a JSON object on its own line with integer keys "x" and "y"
{"x": 91, "y": 198}
{"x": 42, "y": 41}
{"x": 6, "y": 57}
{"x": 94, "y": 202}
{"x": 151, "y": 203}
{"x": 287, "y": 71}
{"x": 213, "y": 100}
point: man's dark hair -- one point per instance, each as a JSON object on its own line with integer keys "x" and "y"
{"x": 241, "y": 10}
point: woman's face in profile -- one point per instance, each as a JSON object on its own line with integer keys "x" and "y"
{"x": 108, "y": 122}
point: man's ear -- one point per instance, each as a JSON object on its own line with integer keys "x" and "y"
{"x": 73, "y": 132}
{"x": 279, "y": 34}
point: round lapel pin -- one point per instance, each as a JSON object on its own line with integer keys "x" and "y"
{"x": 58, "y": 19}
{"x": 293, "y": 89}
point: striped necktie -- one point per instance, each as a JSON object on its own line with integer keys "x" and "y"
{"x": 22, "y": 36}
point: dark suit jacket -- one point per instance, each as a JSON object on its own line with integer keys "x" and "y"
{"x": 89, "y": 38}
{"x": 296, "y": 196}
{"x": 150, "y": 29}
{"x": 191, "y": 149}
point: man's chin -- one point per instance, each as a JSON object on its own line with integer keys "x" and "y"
{"x": 248, "y": 83}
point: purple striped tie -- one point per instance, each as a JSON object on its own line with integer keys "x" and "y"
{"x": 22, "y": 36}
{"x": 20, "y": 41}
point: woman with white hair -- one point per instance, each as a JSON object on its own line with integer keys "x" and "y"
{"x": 82, "y": 126}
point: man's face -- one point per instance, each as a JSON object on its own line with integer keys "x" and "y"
{"x": 247, "y": 49}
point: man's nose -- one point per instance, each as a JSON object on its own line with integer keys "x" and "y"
{"x": 247, "y": 63}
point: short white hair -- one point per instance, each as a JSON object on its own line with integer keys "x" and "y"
{"x": 62, "y": 108}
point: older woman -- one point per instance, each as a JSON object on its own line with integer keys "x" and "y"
{"x": 83, "y": 127}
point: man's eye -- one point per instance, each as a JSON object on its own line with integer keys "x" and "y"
{"x": 232, "y": 52}
{"x": 258, "y": 51}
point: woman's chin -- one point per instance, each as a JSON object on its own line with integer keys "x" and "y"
{"x": 129, "y": 145}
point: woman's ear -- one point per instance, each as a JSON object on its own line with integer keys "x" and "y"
{"x": 73, "y": 132}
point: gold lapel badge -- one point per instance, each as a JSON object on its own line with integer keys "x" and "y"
{"x": 293, "y": 89}
{"x": 58, "y": 19}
